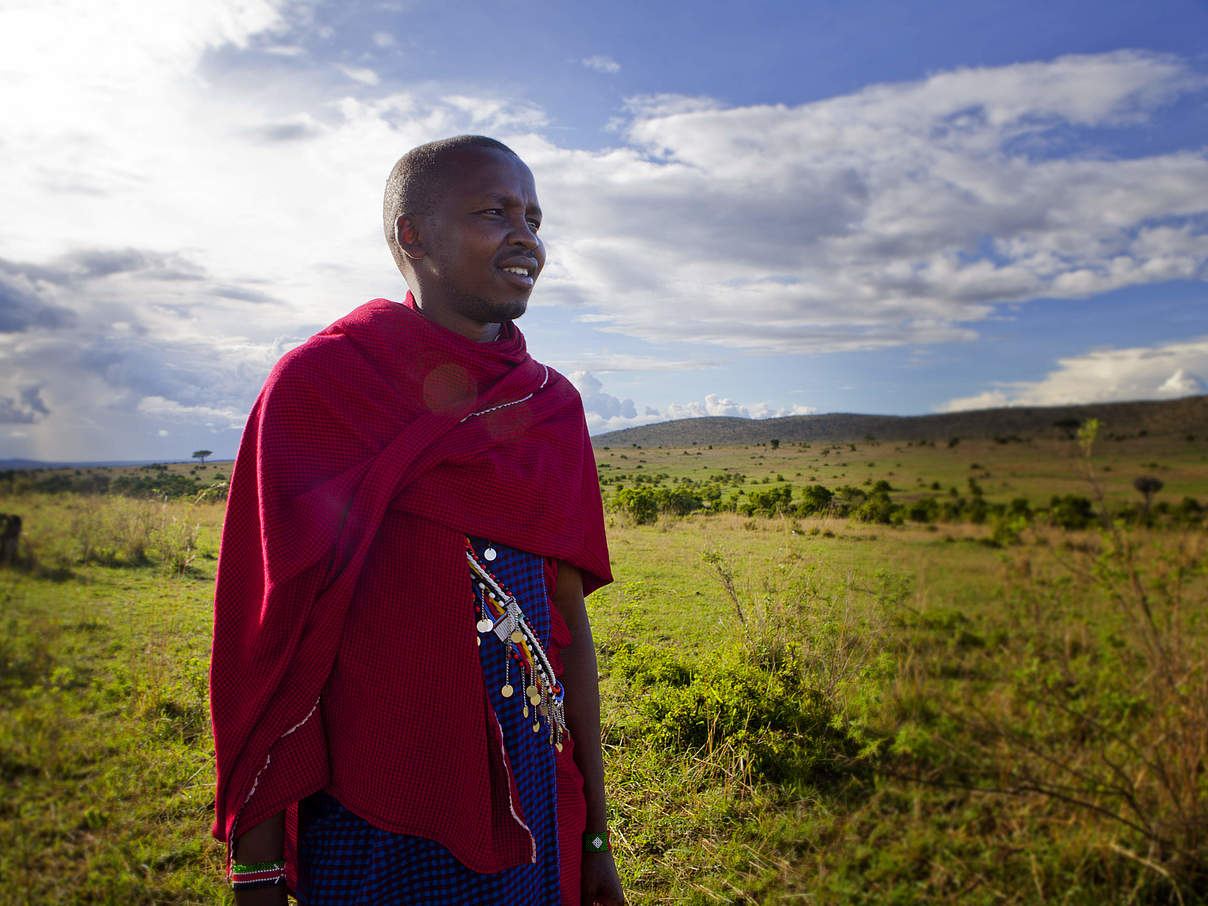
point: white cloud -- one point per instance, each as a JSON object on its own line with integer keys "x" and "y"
{"x": 360, "y": 74}
{"x": 901, "y": 214}
{"x": 601, "y": 63}
{"x": 1167, "y": 371}
{"x": 1182, "y": 384}
{"x": 714, "y": 404}
{"x": 383, "y": 39}
{"x": 608, "y": 413}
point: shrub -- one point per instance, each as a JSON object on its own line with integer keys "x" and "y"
{"x": 778, "y": 728}
{"x": 678, "y": 501}
{"x": 640, "y": 504}
{"x": 925, "y": 509}
{"x": 877, "y": 508}
{"x": 815, "y": 499}
{"x": 772, "y": 502}
{"x": 1071, "y": 511}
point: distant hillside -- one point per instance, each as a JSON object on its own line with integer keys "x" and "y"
{"x": 26, "y": 464}
{"x": 1155, "y": 418}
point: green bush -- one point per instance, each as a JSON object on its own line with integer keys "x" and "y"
{"x": 641, "y": 504}
{"x": 678, "y": 501}
{"x": 778, "y": 727}
{"x": 1071, "y": 511}
{"x": 772, "y": 502}
{"x": 877, "y": 508}
{"x": 926, "y": 509}
{"x": 815, "y": 499}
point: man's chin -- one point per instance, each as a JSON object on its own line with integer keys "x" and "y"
{"x": 509, "y": 311}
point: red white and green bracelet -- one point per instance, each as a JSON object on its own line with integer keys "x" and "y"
{"x": 596, "y": 842}
{"x": 256, "y": 874}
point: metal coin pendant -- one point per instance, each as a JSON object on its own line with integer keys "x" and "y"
{"x": 526, "y": 710}
{"x": 517, "y": 636}
{"x": 507, "y": 690}
{"x": 489, "y": 554}
{"x": 536, "y": 727}
{"x": 485, "y": 625}
{"x": 532, "y": 692}
{"x": 558, "y": 746}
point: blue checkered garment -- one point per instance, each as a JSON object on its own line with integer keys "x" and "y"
{"x": 343, "y": 860}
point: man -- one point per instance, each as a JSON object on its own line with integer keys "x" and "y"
{"x": 410, "y": 480}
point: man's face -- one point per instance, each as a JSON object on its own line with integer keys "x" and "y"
{"x": 481, "y": 250}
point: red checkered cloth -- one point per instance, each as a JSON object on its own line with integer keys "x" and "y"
{"x": 372, "y": 450}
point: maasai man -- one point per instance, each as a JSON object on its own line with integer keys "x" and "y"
{"x": 403, "y": 679}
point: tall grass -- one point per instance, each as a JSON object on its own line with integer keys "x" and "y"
{"x": 882, "y": 724}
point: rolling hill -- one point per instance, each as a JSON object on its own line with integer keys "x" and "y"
{"x": 1166, "y": 417}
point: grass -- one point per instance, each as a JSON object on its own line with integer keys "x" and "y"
{"x": 1018, "y": 725}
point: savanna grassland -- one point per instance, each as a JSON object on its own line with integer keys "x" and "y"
{"x": 960, "y": 671}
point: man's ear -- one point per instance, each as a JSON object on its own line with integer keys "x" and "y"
{"x": 406, "y": 234}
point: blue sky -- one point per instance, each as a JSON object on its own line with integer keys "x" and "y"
{"x": 761, "y": 210}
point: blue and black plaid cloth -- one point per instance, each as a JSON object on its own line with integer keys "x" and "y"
{"x": 345, "y": 860}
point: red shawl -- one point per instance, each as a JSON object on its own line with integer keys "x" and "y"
{"x": 385, "y": 419}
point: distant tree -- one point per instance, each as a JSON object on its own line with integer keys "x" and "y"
{"x": 202, "y": 454}
{"x": 775, "y": 443}
{"x": 1148, "y": 485}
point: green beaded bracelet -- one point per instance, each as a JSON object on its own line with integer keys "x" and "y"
{"x": 596, "y": 843}
{"x": 242, "y": 869}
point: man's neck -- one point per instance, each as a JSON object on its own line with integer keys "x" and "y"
{"x": 477, "y": 331}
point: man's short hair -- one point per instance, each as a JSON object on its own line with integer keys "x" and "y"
{"x": 418, "y": 178}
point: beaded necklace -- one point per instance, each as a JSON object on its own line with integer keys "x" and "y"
{"x": 500, "y": 615}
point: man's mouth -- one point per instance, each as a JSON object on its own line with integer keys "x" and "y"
{"x": 525, "y": 276}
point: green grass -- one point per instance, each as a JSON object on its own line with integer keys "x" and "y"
{"x": 969, "y": 693}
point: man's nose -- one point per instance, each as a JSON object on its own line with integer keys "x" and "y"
{"x": 523, "y": 235}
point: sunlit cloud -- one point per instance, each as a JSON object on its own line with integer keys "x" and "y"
{"x": 609, "y": 413}
{"x": 1144, "y": 372}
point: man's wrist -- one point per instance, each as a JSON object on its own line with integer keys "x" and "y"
{"x": 596, "y": 842}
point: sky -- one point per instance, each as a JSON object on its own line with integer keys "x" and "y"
{"x": 769, "y": 209}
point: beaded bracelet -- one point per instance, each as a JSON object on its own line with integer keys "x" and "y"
{"x": 256, "y": 874}
{"x": 596, "y": 843}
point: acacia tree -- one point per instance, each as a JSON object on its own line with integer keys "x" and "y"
{"x": 202, "y": 454}
{"x": 1148, "y": 485}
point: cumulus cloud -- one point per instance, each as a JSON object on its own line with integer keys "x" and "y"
{"x": 715, "y": 404}
{"x": 601, "y": 63}
{"x": 900, "y": 214}
{"x": 1166, "y": 371}
{"x": 608, "y": 413}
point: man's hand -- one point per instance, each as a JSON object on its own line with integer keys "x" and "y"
{"x": 601, "y": 883}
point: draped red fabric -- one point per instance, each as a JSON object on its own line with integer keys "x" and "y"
{"x": 385, "y": 424}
